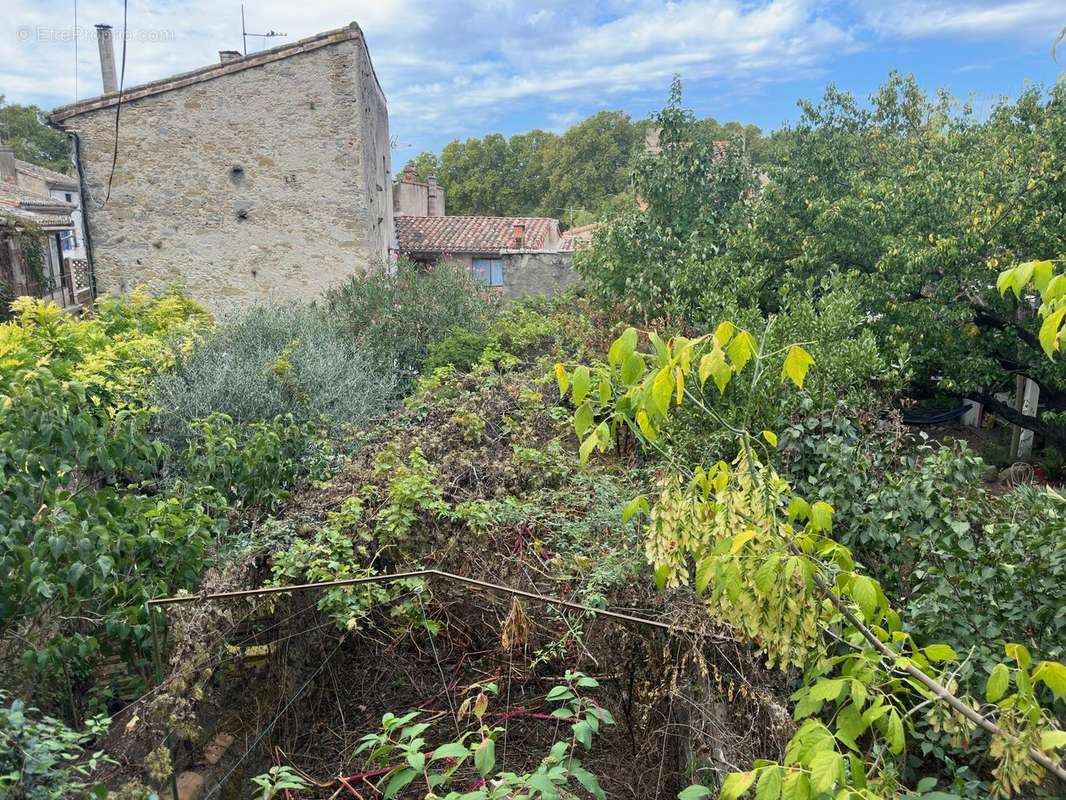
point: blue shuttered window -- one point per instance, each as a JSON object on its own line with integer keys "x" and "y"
{"x": 489, "y": 271}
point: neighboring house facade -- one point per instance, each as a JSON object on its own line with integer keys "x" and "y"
{"x": 33, "y": 227}
{"x": 518, "y": 256}
{"x": 63, "y": 188}
{"x": 265, "y": 177}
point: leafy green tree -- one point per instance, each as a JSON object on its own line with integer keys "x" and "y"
{"x": 921, "y": 203}
{"x": 23, "y": 128}
{"x": 661, "y": 259}
{"x": 425, "y": 164}
{"x": 589, "y": 163}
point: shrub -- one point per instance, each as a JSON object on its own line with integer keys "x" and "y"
{"x": 271, "y": 361}
{"x": 43, "y": 759}
{"x": 252, "y": 466}
{"x": 399, "y": 316}
{"x": 460, "y": 349}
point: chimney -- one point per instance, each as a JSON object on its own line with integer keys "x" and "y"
{"x": 408, "y": 174}
{"x": 431, "y": 200}
{"x": 228, "y": 56}
{"x": 8, "y": 174}
{"x": 107, "y": 58}
{"x": 519, "y": 235}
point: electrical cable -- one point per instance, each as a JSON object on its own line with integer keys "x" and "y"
{"x": 118, "y": 107}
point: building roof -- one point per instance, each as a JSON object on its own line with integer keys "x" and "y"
{"x": 473, "y": 234}
{"x": 32, "y": 208}
{"x": 582, "y": 234}
{"x": 47, "y": 175}
{"x": 348, "y": 32}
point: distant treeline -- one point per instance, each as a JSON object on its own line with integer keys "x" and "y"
{"x": 579, "y": 176}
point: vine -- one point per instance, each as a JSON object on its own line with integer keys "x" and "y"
{"x": 764, "y": 560}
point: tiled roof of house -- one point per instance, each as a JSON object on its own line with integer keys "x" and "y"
{"x": 36, "y": 209}
{"x": 582, "y": 234}
{"x": 47, "y": 175}
{"x": 473, "y": 234}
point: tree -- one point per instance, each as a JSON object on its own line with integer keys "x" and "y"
{"x": 589, "y": 163}
{"x": 23, "y": 128}
{"x": 920, "y": 204}
{"x": 662, "y": 258}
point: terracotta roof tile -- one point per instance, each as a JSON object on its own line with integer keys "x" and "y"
{"x": 473, "y": 234}
{"x": 31, "y": 207}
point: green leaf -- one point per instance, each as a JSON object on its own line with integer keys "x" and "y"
{"x": 864, "y": 592}
{"x": 822, "y": 516}
{"x": 894, "y": 732}
{"x": 1055, "y": 289}
{"x": 587, "y": 447}
{"x": 693, "y": 792}
{"x": 639, "y": 503}
{"x": 582, "y": 417}
{"x": 632, "y": 368}
{"x": 485, "y": 757}
{"x": 622, "y": 347}
{"x": 1021, "y": 276}
{"x": 398, "y": 781}
{"x": 769, "y": 787}
{"x": 580, "y": 383}
{"x": 713, "y": 365}
{"x": 1049, "y": 331}
{"x": 1005, "y": 280}
{"x": 735, "y": 784}
{"x": 827, "y": 768}
{"x": 770, "y": 437}
{"x": 997, "y": 684}
{"x": 1042, "y": 271}
{"x": 797, "y": 362}
{"x": 417, "y": 760}
{"x": 590, "y": 782}
{"x": 561, "y": 692}
{"x": 940, "y": 652}
{"x": 797, "y": 786}
{"x": 583, "y": 734}
{"x": 827, "y": 689}
{"x": 455, "y": 750}
{"x": 646, "y": 427}
{"x": 741, "y": 349}
{"x": 723, "y": 333}
{"x": 662, "y": 572}
{"x": 1052, "y": 740}
{"x": 662, "y": 388}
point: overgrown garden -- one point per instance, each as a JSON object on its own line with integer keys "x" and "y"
{"x": 811, "y": 599}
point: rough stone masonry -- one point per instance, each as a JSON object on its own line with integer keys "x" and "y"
{"x": 262, "y": 178}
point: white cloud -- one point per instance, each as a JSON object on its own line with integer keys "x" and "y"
{"x": 1036, "y": 19}
{"x": 461, "y": 67}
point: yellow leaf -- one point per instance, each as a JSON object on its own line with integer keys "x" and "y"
{"x": 661, "y": 389}
{"x": 771, "y": 437}
{"x": 797, "y": 362}
{"x": 1049, "y": 331}
{"x": 644, "y": 423}
{"x": 679, "y": 382}
{"x": 562, "y": 378}
{"x": 723, "y": 333}
{"x": 740, "y": 540}
{"x": 741, "y": 349}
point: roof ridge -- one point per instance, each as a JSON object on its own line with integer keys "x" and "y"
{"x": 348, "y": 32}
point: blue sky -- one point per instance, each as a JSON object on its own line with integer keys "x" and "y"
{"x": 458, "y": 68}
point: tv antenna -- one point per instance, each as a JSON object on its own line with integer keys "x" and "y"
{"x": 244, "y": 33}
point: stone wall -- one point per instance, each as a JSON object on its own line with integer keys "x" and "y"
{"x": 537, "y": 273}
{"x": 263, "y": 183}
{"x": 528, "y": 272}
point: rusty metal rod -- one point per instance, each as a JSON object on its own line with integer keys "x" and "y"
{"x": 423, "y": 573}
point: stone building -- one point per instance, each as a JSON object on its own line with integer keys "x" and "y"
{"x": 33, "y": 229}
{"x": 260, "y": 178}
{"x": 519, "y": 256}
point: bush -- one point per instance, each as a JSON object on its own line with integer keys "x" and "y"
{"x": 272, "y": 361}
{"x": 460, "y": 349}
{"x": 252, "y": 466}
{"x": 399, "y": 316}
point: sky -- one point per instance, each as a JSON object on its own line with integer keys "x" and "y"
{"x": 459, "y": 68}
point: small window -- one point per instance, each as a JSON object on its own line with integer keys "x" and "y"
{"x": 70, "y": 241}
{"x": 489, "y": 271}
{"x": 70, "y": 197}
